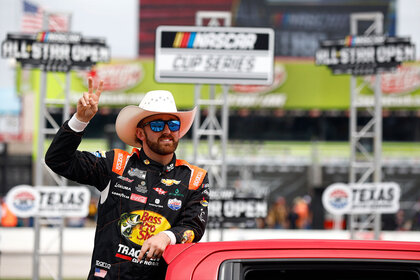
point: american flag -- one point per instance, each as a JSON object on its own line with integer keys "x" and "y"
{"x": 99, "y": 272}
{"x": 58, "y": 22}
{"x": 33, "y": 15}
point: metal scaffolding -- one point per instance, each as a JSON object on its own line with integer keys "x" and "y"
{"x": 214, "y": 157}
{"x": 365, "y": 136}
{"x": 44, "y": 121}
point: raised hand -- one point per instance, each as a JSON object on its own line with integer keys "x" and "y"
{"x": 87, "y": 106}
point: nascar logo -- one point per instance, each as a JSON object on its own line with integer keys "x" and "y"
{"x": 351, "y": 41}
{"x": 213, "y": 40}
{"x": 58, "y": 37}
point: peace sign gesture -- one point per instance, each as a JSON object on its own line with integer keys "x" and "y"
{"x": 87, "y": 106}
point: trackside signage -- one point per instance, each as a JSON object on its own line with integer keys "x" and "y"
{"x": 214, "y": 55}
{"x": 55, "y": 51}
{"x": 365, "y": 55}
{"x": 230, "y": 208}
{"x": 340, "y": 198}
{"x": 48, "y": 201}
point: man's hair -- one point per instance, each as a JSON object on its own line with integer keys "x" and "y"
{"x": 139, "y": 125}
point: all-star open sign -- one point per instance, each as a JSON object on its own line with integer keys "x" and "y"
{"x": 55, "y": 51}
{"x": 214, "y": 55}
{"x": 365, "y": 55}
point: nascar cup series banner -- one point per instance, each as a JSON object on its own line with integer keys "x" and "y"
{"x": 48, "y": 201}
{"x": 214, "y": 55}
{"x": 55, "y": 51}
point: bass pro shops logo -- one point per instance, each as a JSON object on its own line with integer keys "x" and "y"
{"x": 140, "y": 225}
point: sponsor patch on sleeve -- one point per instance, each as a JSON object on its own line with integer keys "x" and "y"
{"x": 188, "y": 236}
{"x": 204, "y": 202}
{"x": 120, "y": 158}
{"x": 100, "y": 154}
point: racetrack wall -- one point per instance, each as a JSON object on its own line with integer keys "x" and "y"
{"x": 16, "y": 245}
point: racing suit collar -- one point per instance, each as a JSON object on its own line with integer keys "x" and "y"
{"x": 154, "y": 164}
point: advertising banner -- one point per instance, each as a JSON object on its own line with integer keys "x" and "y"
{"x": 48, "y": 201}
{"x": 229, "y": 208}
{"x": 55, "y": 51}
{"x": 365, "y": 55}
{"x": 297, "y": 85}
{"x": 214, "y": 55}
{"x": 367, "y": 198}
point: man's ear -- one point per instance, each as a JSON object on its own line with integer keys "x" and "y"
{"x": 140, "y": 133}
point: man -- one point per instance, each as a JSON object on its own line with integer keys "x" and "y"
{"x": 149, "y": 199}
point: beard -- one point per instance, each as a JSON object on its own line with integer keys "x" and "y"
{"x": 162, "y": 148}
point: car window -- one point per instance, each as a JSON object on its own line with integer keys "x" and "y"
{"x": 315, "y": 269}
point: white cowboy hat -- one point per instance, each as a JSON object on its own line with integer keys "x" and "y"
{"x": 154, "y": 102}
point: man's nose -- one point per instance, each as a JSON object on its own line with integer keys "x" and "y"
{"x": 166, "y": 129}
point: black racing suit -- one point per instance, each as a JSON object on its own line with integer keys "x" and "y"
{"x": 139, "y": 198}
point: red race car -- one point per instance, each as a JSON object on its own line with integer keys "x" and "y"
{"x": 294, "y": 259}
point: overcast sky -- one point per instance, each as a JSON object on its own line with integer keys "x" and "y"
{"x": 117, "y": 22}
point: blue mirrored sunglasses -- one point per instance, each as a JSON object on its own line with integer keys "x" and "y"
{"x": 159, "y": 125}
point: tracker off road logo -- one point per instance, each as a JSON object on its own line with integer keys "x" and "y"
{"x": 140, "y": 225}
{"x": 131, "y": 254}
